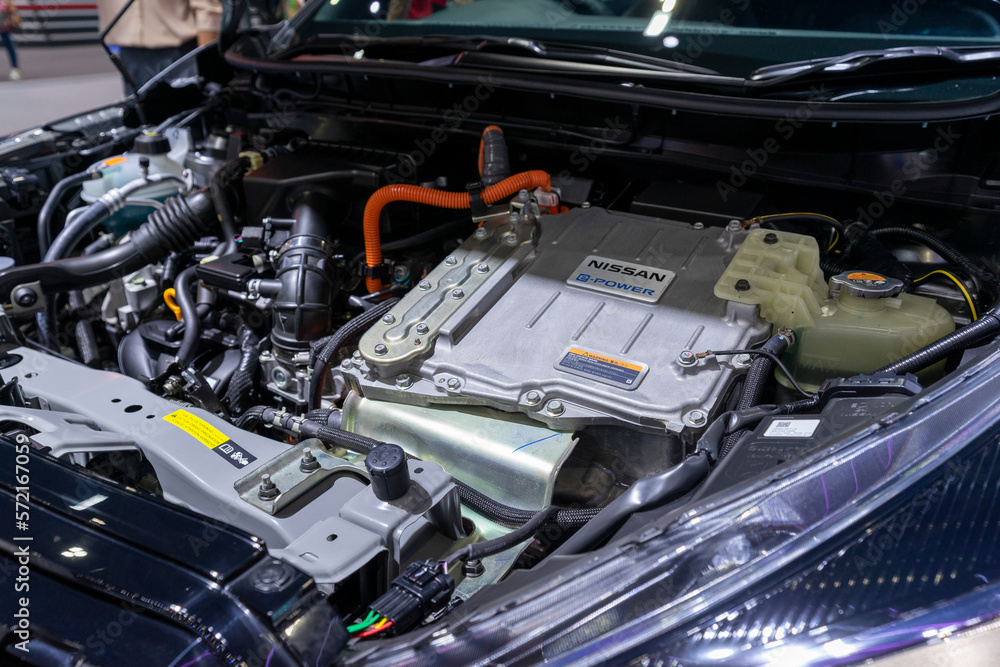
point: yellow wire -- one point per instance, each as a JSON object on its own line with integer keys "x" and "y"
{"x": 836, "y": 234}
{"x": 381, "y": 623}
{"x": 965, "y": 292}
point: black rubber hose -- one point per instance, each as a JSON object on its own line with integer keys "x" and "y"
{"x": 179, "y": 223}
{"x": 645, "y": 494}
{"x": 52, "y": 203}
{"x": 986, "y": 327}
{"x": 755, "y": 382}
{"x": 951, "y": 254}
{"x": 189, "y": 314}
{"x": 486, "y": 548}
{"x": 329, "y": 346}
{"x": 71, "y": 234}
{"x": 229, "y": 175}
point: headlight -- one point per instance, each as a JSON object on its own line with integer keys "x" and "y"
{"x": 863, "y": 548}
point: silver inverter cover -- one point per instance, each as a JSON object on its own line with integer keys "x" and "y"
{"x": 576, "y": 320}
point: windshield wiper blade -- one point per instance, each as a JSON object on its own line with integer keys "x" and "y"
{"x": 904, "y": 58}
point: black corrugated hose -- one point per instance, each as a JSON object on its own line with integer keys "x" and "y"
{"x": 756, "y": 381}
{"x": 496, "y": 545}
{"x": 982, "y": 329}
{"x": 327, "y": 347}
{"x": 242, "y": 382}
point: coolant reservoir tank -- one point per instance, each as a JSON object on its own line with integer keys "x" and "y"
{"x": 124, "y": 168}
{"x": 859, "y": 323}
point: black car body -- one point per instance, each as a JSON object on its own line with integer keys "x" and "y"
{"x": 491, "y": 332}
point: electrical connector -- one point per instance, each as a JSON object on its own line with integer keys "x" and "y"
{"x": 422, "y": 589}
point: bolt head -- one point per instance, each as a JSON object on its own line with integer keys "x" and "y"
{"x": 742, "y": 360}
{"x": 25, "y": 297}
{"x": 483, "y": 268}
{"x": 474, "y": 568}
{"x": 511, "y": 239}
{"x": 381, "y": 349}
{"x": 698, "y": 225}
{"x": 346, "y": 365}
{"x": 423, "y": 329}
{"x": 555, "y": 408}
{"x": 388, "y": 318}
{"x": 404, "y": 382}
{"x": 457, "y": 294}
{"x": 523, "y": 195}
{"x": 734, "y": 226}
{"x": 424, "y": 284}
{"x": 454, "y": 384}
{"x": 533, "y": 398}
{"x": 279, "y": 377}
{"x": 450, "y": 261}
{"x": 697, "y": 418}
{"x": 482, "y": 233}
{"x": 585, "y": 204}
{"x": 686, "y": 358}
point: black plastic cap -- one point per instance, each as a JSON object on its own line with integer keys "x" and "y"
{"x": 390, "y": 476}
{"x": 151, "y": 144}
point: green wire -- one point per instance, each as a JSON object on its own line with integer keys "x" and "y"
{"x": 371, "y": 618}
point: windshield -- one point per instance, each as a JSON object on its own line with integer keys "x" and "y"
{"x": 731, "y": 36}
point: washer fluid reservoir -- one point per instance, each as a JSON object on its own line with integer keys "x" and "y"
{"x": 858, "y": 324}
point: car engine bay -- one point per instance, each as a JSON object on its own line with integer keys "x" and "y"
{"x": 408, "y": 387}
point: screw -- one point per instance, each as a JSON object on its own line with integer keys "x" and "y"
{"x": 450, "y": 261}
{"x": 474, "y": 568}
{"x": 523, "y": 195}
{"x": 742, "y": 360}
{"x": 388, "y": 318}
{"x": 483, "y": 268}
{"x": 346, "y": 365}
{"x": 697, "y": 418}
{"x": 511, "y": 239}
{"x": 308, "y": 462}
{"x": 698, "y": 225}
{"x": 404, "y": 382}
{"x": 585, "y": 204}
{"x": 457, "y": 294}
{"x": 482, "y": 233}
{"x": 268, "y": 490}
{"x": 381, "y": 350}
{"x": 686, "y": 358}
{"x": 454, "y": 384}
{"x": 423, "y": 329}
{"x": 742, "y": 285}
{"x": 25, "y": 297}
{"x": 734, "y": 226}
{"x": 424, "y": 284}
{"x": 555, "y": 408}
{"x": 356, "y": 356}
{"x": 533, "y": 398}
{"x": 770, "y": 238}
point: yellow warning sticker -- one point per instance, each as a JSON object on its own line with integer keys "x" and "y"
{"x": 198, "y": 428}
{"x": 607, "y": 360}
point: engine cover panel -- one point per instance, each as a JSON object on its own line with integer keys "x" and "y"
{"x": 584, "y": 329}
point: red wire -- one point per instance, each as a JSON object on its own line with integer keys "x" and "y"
{"x": 369, "y": 633}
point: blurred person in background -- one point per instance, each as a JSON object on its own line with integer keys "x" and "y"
{"x": 152, "y": 34}
{"x": 10, "y": 21}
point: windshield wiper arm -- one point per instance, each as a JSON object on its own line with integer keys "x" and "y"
{"x": 466, "y": 45}
{"x": 907, "y": 57}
